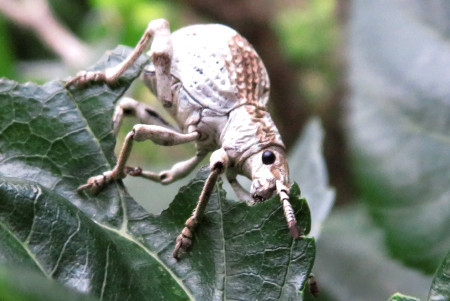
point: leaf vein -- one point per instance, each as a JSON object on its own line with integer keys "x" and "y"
{"x": 88, "y": 128}
{"x": 25, "y": 247}
{"x": 65, "y": 245}
{"x": 105, "y": 274}
{"x": 132, "y": 239}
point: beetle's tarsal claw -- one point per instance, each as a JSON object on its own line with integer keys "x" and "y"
{"x": 294, "y": 229}
{"x": 83, "y": 187}
{"x": 184, "y": 240}
{"x": 133, "y": 171}
{"x": 97, "y": 183}
{"x": 183, "y": 245}
{"x": 313, "y": 287}
{"x": 92, "y": 187}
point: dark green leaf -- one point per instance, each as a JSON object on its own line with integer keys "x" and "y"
{"x": 440, "y": 288}
{"x": 52, "y": 140}
{"x": 399, "y": 121}
{"x": 65, "y": 244}
{"x": 21, "y": 284}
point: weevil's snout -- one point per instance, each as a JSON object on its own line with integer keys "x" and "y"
{"x": 265, "y": 168}
{"x": 261, "y": 190}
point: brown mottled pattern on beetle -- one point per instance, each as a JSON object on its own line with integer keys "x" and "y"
{"x": 265, "y": 130}
{"x": 247, "y": 72}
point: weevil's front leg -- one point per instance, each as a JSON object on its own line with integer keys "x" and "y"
{"x": 218, "y": 164}
{"x": 283, "y": 192}
{"x": 140, "y": 132}
{"x": 179, "y": 170}
{"x": 240, "y": 191}
{"x": 161, "y": 53}
{"x": 146, "y": 114}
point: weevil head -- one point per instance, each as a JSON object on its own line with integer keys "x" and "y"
{"x": 265, "y": 168}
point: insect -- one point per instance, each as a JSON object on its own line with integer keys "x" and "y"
{"x": 215, "y": 86}
{"x": 313, "y": 286}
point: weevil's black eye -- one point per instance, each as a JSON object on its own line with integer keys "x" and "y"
{"x": 268, "y": 157}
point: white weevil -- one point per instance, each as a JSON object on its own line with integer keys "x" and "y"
{"x": 214, "y": 84}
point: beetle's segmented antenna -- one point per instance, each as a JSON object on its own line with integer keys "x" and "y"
{"x": 283, "y": 192}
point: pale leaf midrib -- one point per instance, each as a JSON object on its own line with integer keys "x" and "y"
{"x": 152, "y": 254}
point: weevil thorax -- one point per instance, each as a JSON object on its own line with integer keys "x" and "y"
{"x": 254, "y": 145}
{"x": 250, "y": 137}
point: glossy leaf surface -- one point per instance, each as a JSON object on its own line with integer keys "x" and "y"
{"x": 440, "y": 288}
{"x": 22, "y": 284}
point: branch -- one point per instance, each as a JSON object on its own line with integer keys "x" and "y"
{"x": 37, "y": 16}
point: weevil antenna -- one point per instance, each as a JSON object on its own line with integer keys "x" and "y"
{"x": 283, "y": 192}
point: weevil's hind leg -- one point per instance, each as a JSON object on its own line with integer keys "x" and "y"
{"x": 140, "y": 132}
{"x": 146, "y": 114}
{"x": 218, "y": 164}
{"x": 161, "y": 52}
{"x": 283, "y": 192}
{"x": 178, "y": 170}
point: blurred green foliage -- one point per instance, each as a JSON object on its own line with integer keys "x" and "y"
{"x": 125, "y": 21}
{"x": 6, "y": 56}
{"x": 102, "y": 24}
{"x": 309, "y": 35}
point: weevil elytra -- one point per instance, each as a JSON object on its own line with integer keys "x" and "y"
{"x": 215, "y": 86}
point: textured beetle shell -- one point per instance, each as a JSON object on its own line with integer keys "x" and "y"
{"x": 218, "y": 67}
{"x": 221, "y": 88}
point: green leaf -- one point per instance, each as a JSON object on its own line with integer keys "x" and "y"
{"x": 440, "y": 288}
{"x": 352, "y": 264}
{"x": 401, "y": 297}
{"x": 399, "y": 120}
{"x": 21, "y": 284}
{"x": 52, "y": 140}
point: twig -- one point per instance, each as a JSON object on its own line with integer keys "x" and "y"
{"x": 37, "y": 15}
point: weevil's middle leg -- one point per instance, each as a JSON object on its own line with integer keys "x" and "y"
{"x": 218, "y": 164}
{"x": 178, "y": 170}
{"x": 140, "y": 132}
{"x": 146, "y": 114}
